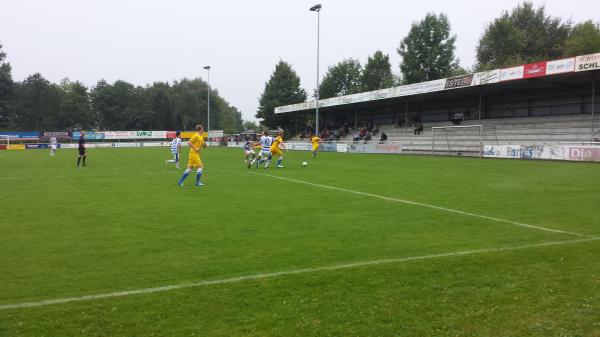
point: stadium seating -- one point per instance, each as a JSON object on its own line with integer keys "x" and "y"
{"x": 517, "y": 131}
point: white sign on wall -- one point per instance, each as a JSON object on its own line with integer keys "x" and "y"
{"x": 514, "y": 73}
{"x": 560, "y": 66}
{"x": 587, "y": 62}
{"x": 487, "y": 77}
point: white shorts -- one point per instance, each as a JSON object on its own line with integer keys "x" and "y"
{"x": 265, "y": 153}
{"x": 53, "y": 147}
{"x": 248, "y": 152}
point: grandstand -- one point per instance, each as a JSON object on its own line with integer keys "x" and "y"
{"x": 542, "y": 103}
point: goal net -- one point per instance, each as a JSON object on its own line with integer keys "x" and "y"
{"x": 457, "y": 140}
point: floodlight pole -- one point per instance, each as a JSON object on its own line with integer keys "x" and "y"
{"x": 208, "y": 103}
{"x": 317, "y": 8}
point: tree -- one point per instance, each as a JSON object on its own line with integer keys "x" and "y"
{"x": 75, "y": 111}
{"x": 37, "y": 104}
{"x": 583, "y": 39}
{"x": 249, "y": 125}
{"x": 524, "y": 35}
{"x": 377, "y": 73}
{"x": 427, "y": 51}
{"x": 341, "y": 79}
{"x": 283, "y": 88}
{"x": 6, "y": 91}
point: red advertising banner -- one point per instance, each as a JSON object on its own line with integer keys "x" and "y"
{"x": 536, "y": 69}
{"x": 2, "y": 146}
{"x": 170, "y": 134}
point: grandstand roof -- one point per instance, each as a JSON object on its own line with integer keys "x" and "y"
{"x": 532, "y": 76}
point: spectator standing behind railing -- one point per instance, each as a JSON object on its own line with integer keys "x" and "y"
{"x": 418, "y": 128}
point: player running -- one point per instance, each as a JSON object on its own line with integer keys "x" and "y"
{"x": 249, "y": 153}
{"x": 81, "y": 148}
{"x": 196, "y": 145}
{"x": 315, "y": 145}
{"x": 53, "y": 146}
{"x": 277, "y": 147}
{"x": 175, "y": 150}
{"x": 265, "y": 151}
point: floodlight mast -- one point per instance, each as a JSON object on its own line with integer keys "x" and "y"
{"x": 207, "y": 68}
{"x": 317, "y": 8}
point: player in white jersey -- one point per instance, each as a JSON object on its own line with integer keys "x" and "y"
{"x": 265, "y": 151}
{"x": 175, "y": 150}
{"x": 53, "y": 146}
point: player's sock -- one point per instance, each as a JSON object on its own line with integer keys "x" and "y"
{"x": 78, "y": 161}
{"x": 315, "y": 154}
{"x": 198, "y": 176}
{"x": 186, "y": 173}
{"x": 279, "y": 161}
{"x": 267, "y": 164}
{"x": 83, "y": 160}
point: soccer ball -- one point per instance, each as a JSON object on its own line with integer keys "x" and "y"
{"x": 304, "y": 163}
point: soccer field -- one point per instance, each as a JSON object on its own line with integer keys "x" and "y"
{"x": 352, "y": 245}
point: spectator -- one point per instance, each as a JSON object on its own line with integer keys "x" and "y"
{"x": 457, "y": 118}
{"x": 356, "y": 137}
{"x": 383, "y": 137}
{"x": 418, "y": 128}
{"x": 367, "y": 136}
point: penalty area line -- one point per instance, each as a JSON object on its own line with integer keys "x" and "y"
{"x": 439, "y": 208}
{"x": 283, "y": 273}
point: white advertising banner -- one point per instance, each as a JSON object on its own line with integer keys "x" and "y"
{"x": 342, "y": 147}
{"x": 587, "y": 62}
{"x": 215, "y": 134}
{"x": 135, "y": 134}
{"x": 547, "y": 152}
{"x": 514, "y": 73}
{"x": 560, "y": 66}
{"x": 487, "y": 77}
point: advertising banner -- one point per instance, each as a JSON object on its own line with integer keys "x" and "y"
{"x": 514, "y": 73}
{"x": 2, "y": 146}
{"x": 215, "y": 134}
{"x": 547, "y": 152}
{"x": 560, "y": 66}
{"x": 374, "y": 148}
{"x": 90, "y": 135}
{"x": 16, "y": 147}
{"x": 419, "y": 88}
{"x": 342, "y": 148}
{"x": 171, "y": 135}
{"x": 587, "y": 62}
{"x": 39, "y": 146}
{"x": 20, "y": 134}
{"x": 583, "y": 153}
{"x": 487, "y": 77}
{"x": 536, "y": 69}
{"x": 236, "y": 144}
{"x": 58, "y": 135}
{"x": 459, "y": 82}
{"x": 135, "y": 134}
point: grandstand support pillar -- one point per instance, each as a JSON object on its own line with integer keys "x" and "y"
{"x": 355, "y": 119}
{"x": 406, "y": 117}
{"x": 593, "y": 104}
{"x": 480, "y": 103}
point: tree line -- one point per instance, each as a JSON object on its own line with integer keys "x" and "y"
{"x": 37, "y": 104}
{"x": 522, "y": 35}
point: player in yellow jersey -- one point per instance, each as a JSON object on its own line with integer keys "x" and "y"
{"x": 196, "y": 145}
{"x": 277, "y": 148}
{"x": 315, "y": 145}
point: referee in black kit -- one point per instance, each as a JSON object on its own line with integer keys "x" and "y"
{"x": 81, "y": 148}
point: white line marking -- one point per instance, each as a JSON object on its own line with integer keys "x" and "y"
{"x": 282, "y": 273}
{"x": 429, "y": 206}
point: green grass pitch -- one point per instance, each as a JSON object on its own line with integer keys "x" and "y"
{"x": 352, "y": 264}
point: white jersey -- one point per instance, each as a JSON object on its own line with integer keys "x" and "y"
{"x": 265, "y": 143}
{"x": 175, "y": 145}
{"x": 53, "y": 143}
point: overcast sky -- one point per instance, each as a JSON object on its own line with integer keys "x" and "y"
{"x": 144, "y": 41}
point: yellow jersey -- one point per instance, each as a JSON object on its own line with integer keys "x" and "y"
{"x": 198, "y": 141}
{"x": 276, "y": 142}
{"x": 315, "y": 140}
